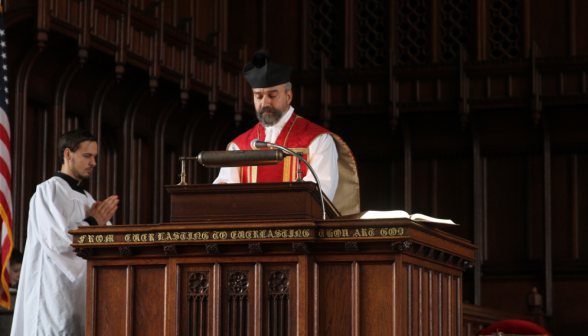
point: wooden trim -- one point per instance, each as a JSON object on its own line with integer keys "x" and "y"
{"x": 407, "y": 167}
{"x": 547, "y": 214}
{"x": 572, "y": 27}
{"x": 575, "y": 208}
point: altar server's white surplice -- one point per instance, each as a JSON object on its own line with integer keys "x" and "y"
{"x": 51, "y": 297}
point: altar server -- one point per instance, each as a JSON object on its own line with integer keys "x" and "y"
{"x": 51, "y": 297}
{"x": 328, "y": 155}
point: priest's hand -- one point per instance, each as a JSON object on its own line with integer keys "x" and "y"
{"x": 102, "y": 211}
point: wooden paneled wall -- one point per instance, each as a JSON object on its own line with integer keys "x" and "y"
{"x": 470, "y": 110}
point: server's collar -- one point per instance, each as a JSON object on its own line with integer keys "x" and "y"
{"x": 73, "y": 183}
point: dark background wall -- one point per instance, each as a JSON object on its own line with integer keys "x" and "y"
{"x": 469, "y": 110}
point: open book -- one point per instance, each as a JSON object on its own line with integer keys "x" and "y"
{"x": 403, "y": 214}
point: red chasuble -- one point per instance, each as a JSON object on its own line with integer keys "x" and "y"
{"x": 297, "y": 135}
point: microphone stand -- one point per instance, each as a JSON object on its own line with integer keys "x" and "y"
{"x": 269, "y": 144}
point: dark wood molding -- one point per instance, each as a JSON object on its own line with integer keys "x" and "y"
{"x": 170, "y": 249}
{"x": 212, "y": 248}
{"x": 255, "y": 248}
{"x": 351, "y": 247}
{"x": 126, "y": 251}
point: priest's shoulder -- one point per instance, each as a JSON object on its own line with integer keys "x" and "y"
{"x": 308, "y": 125}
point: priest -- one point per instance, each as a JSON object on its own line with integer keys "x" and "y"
{"x": 51, "y": 297}
{"x": 328, "y": 155}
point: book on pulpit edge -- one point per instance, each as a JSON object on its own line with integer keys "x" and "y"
{"x": 419, "y": 218}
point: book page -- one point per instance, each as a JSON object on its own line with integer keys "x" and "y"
{"x": 423, "y": 218}
{"x": 385, "y": 214}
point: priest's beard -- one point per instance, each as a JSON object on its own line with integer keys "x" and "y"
{"x": 271, "y": 118}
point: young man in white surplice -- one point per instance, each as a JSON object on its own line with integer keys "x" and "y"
{"x": 51, "y": 297}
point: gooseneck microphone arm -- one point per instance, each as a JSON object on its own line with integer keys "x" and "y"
{"x": 256, "y": 144}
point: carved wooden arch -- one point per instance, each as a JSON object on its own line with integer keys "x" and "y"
{"x": 60, "y": 98}
{"x": 128, "y": 127}
{"x": 192, "y": 167}
{"x": 19, "y": 206}
{"x": 96, "y": 124}
{"x": 171, "y": 106}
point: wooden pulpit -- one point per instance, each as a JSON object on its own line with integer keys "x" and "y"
{"x": 257, "y": 259}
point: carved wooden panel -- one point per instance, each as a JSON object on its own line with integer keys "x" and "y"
{"x": 505, "y": 28}
{"x": 413, "y": 39}
{"x": 198, "y": 303}
{"x": 433, "y": 301}
{"x": 325, "y": 28}
{"x": 142, "y": 43}
{"x": 371, "y": 27}
{"x": 455, "y": 28}
{"x": 67, "y": 11}
{"x": 107, "y": 26}
{"x": 237, "y": 309}
{"x": 278, "y": 312}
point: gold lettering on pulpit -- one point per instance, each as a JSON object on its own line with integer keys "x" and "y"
{"x": 371, "y": 232}
{"x": 357, "y": 233}
{"x": 255, "y": 234}
{"x": 183, "y": 236}
{"x": 345, "y": 232}
{"x": 128, "y": 237}
{"x": 168, "y": 237}
{"x": 176, "y": 236}
{"x": 262, "y": 234}
{"x": 321, "y": 233}
{"x": 337, "y": 233}
{"x": 100, "y": 238}
{"x": 330, "y": 233}
{"x": 144, "y": 237}
{"x": 306, "y": 233}
{"x": 248, "y": 234}
{"x": 270, "y": 234}
{"x": 204, "y": 236}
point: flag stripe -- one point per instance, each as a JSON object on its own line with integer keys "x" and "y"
{"x": 5, "y": 138}
{"x": 5, "y": 172}
{"x": 6, "y": 201}
{"x": 4, "y": 120}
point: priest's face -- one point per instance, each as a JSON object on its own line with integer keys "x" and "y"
{"x": 271, "y": 103}
{"x": 81, "y": 163}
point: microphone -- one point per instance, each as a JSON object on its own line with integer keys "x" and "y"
{"x": 239, "y": 158}
{"x": 258, "y": 144}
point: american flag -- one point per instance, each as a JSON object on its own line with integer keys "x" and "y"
{"x": 5, "y": 171}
